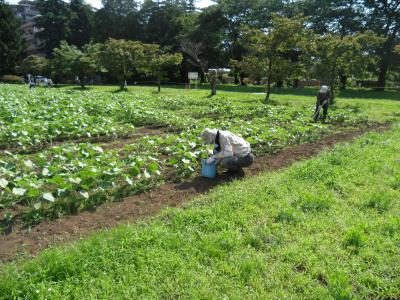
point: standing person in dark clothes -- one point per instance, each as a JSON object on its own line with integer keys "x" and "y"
{"x": 323, "y": 97}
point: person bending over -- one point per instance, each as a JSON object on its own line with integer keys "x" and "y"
{"x": 230, "y": 151}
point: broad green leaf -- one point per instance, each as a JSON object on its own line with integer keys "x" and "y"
{"x": 45, "y": 172}
{"x": 185, "y": 161}
{"x": 76, "y": 180}
{"x": 33, "y": 192}
{"x": 18, "y": 191}
{"x": 98, "y": 149}
{"x": 48, "y": 197}
{"x": 3, "y": 183}
{"x": 57, "y": 179}
{"x": 28, "y": 163}
{"x": 152, "y": 167}
{"x": 134, "y": 171}
{"x": 85, "y": 195}
{"x": 62, "y": 192}
{"x": 128, "y": 180}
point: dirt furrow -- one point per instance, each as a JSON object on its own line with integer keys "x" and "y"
{"x": 108, "y": 141}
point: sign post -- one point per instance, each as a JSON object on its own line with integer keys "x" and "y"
{"x": 193, "y": 76}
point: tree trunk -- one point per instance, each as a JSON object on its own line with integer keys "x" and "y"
{"x": 159, "y": 86}
{"x": 268, "y": 89}
{"x": 213, "y": 83}
{"x": 268, "y": 82}
{"x": 332, "y": 92}
{"x": 343, "y": 82}
{"x": 236, "y": 81}
{"x": 184, "y": 72}
{"x": 124, "y": 85}
{"x": 202, "y": 77}
{"x": 242, "y": 79}
{"x": 383, "y": 67}
{"x": 82, "y": 81}
{"x": 295, "y": 83}
{"x": 213, "y": 88}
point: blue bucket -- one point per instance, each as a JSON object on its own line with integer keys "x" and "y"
{"x": 208, "y": 170}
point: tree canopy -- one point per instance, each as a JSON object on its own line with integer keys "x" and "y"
{"x": 215, "y": 37}
{"x": 11, "y": 43}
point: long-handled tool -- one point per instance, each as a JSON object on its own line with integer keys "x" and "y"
{"x": 317, "y": 112}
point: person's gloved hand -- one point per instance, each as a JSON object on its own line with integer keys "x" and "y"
{"x": 210, "y": 160}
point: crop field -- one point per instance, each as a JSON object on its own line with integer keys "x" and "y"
{"x": 326, "y": 228}
{"x": 65, "y": 150}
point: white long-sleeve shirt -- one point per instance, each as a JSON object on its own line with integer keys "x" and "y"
{"x": 232, "y": 145}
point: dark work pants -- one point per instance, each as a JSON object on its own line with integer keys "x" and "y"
{"x": 325, "y": 112}
{"x": 235, "y": 163}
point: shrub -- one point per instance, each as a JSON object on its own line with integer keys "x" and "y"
{"x": 10, "y": 79}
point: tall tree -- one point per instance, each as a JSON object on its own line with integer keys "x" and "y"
{"x": 339, "y": 17}
{"x": 248, "y": 13}
{"x": 161, "y": 24}
{"x": 335, "y": 55}
{"x": 70, "y": 60}
{"x": 194, "y": 53}
{"x": 157, "y": 62}
{"x": 11, "y": 44}
{"x": 202, "y": 39}
{"x": 33, "y": 65}
{"x": 122, "y": 58}
{"x": 120, "y": 7}
{"x": 55, "y": 19}
{"x": 117, "y": 19}
{"x": 269, "y": 52}
{"x": 384, "y": 19}
{"x": 81, "y": 23}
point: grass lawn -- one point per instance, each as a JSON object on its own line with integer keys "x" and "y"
{"x": 324, "y": 228}
{"x": 379, "y": 106}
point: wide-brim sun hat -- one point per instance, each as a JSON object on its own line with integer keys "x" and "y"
{"x": 208, "y": 135}
{"x": 323, "y": 89}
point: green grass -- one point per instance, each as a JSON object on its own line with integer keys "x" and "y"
{"x": 327, "y": 228}
{"x": 379, "y": 106}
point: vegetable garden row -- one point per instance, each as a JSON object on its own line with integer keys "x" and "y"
{"x": 43, "y": 179}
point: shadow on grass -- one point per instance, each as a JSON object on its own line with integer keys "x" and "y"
{"x": 79, "y": 88}
{"x": 119, "y": 90}
{"x": 203, "y": 185}
{"x": 309, "y": 91}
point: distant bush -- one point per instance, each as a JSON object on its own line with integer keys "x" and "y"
{"x": 10, "y": 79}
{"x": 246, "y": 81}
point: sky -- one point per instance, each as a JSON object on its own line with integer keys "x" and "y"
{"x": 97, "y": 3}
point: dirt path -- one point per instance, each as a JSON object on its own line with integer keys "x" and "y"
{"x": 133, "y": 208}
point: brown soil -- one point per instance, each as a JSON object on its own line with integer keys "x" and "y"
{"x": 140, "y": 132}
{"x": 31, "y": 241}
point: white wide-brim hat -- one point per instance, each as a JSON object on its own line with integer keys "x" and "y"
{"x": 208, "y": 135}
{"x": 324, "y": 89}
